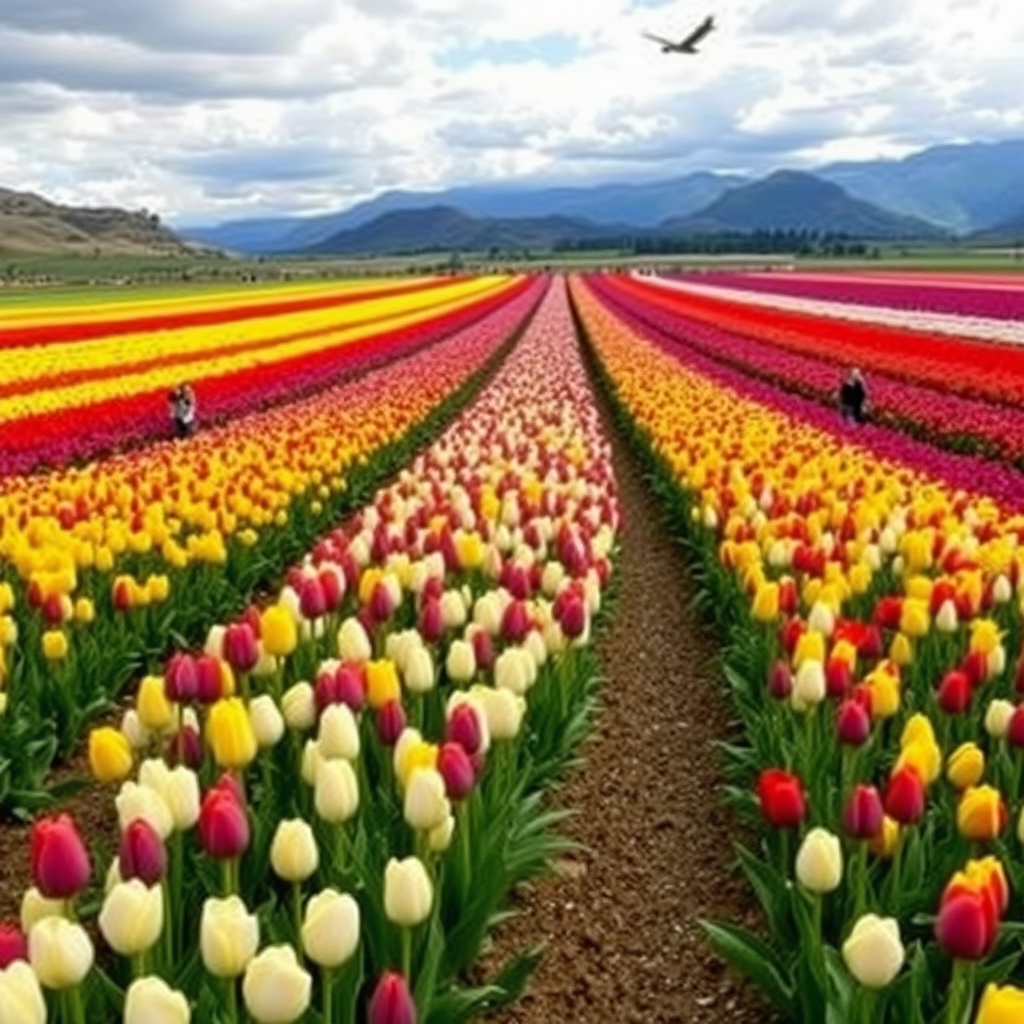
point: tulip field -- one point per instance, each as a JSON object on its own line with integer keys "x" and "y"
{"x": 326, "y": 660}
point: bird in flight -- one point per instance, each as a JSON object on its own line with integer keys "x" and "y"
{"x": 687, "y": 45}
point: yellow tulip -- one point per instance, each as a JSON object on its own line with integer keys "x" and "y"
{"x": 915, "y": 620}
{"x": 924, "y": 756}
{"x": 278, "y": 631}
{"x": 155, "y": 711}
{"x": 766, "y": 602}
{"x": 981, "y": 814}
{"x": 810, "y": 647}
{"x": 965, "y": 766}
{"x": 110, "y": 754}
{"x": 230, "y": 735}
{"x": 1000, "y": 1005}
{"x": 55, "y": 645}
{"x": 382, "y": 684}
{"x": 986, "y": 636}
{"x": 884, "y": 844}
{"x": 85, "y": 610}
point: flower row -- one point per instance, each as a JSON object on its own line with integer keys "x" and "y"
{"x": 330, "y": 802}
{"x": 874, "y": 626}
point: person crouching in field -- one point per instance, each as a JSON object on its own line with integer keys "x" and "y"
{"x": 182, "y": 401}
{"x": 853, "y": 398}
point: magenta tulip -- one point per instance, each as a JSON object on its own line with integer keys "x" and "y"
{"x": 141, "y": 853}
{"x": 60, "y": 861}
{"x": 456, "y": 769}
{"x": 391, "y": 1002}
{"x": 180, "y": 682}
{"x": 13, "y": 945}
{"x": 240, "y": 649}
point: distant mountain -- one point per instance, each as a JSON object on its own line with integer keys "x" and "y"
{"x": 1010, "y": 230}
{"x": 795, "y": 200}
{"x": 446, "y": 229}
{"x": 32, "y": 225}
{"x": 641, "y": 205}
{"x": 962, "y": 187}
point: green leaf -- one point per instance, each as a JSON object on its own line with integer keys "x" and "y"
{"x": 753, "y": 958}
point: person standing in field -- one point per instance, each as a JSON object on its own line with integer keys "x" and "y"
{"x": 853, "y": 397}
{"x": 183, "y": 410}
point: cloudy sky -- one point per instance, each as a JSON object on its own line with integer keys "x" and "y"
{"x": 206, "y": 110}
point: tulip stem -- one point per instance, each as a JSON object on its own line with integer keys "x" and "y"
{"x": 867, "y": 1005}
{"x": 297, "y": 914}
{"x": 862, "y": 879}
{"x": 328, "y": 983}
{"x": 954, "y": 1007}
{"x": 407, "y": 952}
{"x": 231, "y": 986}
{"x": 74, "y": 1006}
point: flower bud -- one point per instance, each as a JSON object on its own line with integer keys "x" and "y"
{"x": 408, "y": 893}
{"x": 60, "y": 862}
{"x": 151, "y": 1000}
{"x": 336, "y": 790}
{"x": 391, "y": 1002}
{"x": 132, "y": 917}
{"x": 141, "y": 853}
{"x": 330, "y": 928}
{"x": 819, "y": 861}
{"x": 874, "y": 953}
{"x": 60, "y": 951}
{"x": 228, "y": 936}
{"x": 276, "y": 988}
{"x": 294, "y": 855}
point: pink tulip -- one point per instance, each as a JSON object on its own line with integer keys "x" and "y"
{"x": 864, "y": 814}
{"x": 780, "y": 681}
{"x": 141, "y": 853}
{"x": 209, "y": 681}
{"x": 390, "y": 722}
{"x": 13, "y": 945}
{"x": 456, "y": 768}
{"x": 180, "y": 682}
{"x": 853, "y": 723}
{"x": 186, "y": 747}
{"x": 391, "y": 1002}
{"x": 312, "y": 600}
{"x": 464, "y": 728}
{"x": 223, "y": 823}
{"x": 240, "y": 650}
{"x": 60, "y": 861}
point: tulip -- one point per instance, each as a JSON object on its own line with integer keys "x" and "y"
{"x": 240, "y": 648}
{"x": 155, "y": 711}
{"x": 13, "y": 945}
{"x": 408, "y": 893}
{"x": 981, "y": 813}
{"x": 390, "y": 721}
{"x": 141, "y": 853}
{"x": 997, "y": 718}
{"x": 20, "y": 995}
{"x": 503, "y": 710}
{"x": 766, "y": 602}
{"x": 781, "y": 798}
{"x": 873, "y": 952}
{"x": 278, "y": 632}
{"x": 35, "y": 906}
{"x": 223, "y": 824}
{"x": 853, "y": 723}
{"x": 298, "y": 707}
{"x": 905, "y": 796}
{"x": 391, "y": 1002}
{"x": 181, "y": 683}
{"x": 1015, "y": 728}
{"x": 819, "y": 861}
{"x": 55, "y": 645}
{"x": 426, "y": 804}
{"x": 456, "y": 769}
{"x": 1000, "y": 1005}
{"x": 276, "y": 988}
{"x": 418, "y": 671}
{"x": 353, "y": 642}
{"x": 294, "y": 855}
{"x": 132, "y": 917}
{"x": 60, "y": 862}
{"x": 60, "y": 951}
{"x": 864, "y": 814}
{"x": 965, "y": 928}
{"x": 151, "y": 1000}
{"x": 336, "y": 790}
{"x": 230, "y": 735}
{"x": 214, "y": 679}
{"x": 185, "y": 748}
{"x": 228, "y": 936}
{"x": 266, "y": 721}
{"x": 467, "y": 726}
{"x": 178, "y": 787}
{"x": 966, "y": 766}
{"x": 330, "y": 928}
{"x": 110, "y": 754}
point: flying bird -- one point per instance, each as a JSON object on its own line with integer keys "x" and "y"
{"x": 687, "y": 45}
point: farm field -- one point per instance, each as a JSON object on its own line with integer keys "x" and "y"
{"x": 568, "y": 595}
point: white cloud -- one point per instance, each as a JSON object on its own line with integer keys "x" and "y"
{"x": 205, "y": 109}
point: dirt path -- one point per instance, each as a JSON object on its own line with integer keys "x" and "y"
{"x": 621, "y": 920}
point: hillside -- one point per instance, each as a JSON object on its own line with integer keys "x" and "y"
{"x": 639, "y": 204}
{"x": 444, "y": 229}
{"x": 962, "y": 187}
{"x": 1010, "y": 230}
{"x": 794, "y": 200}
{"x": 31, "y": 225}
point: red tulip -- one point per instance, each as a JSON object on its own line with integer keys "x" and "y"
{"x": 121, "y": 594}
{"x": 431, "y": 622}
{"x": 141, "y": 853}
{"x": 1019, "y": 676}
{"x": 1015, "y": 729}
{"x": 465, "y": 728}
{"x": 515, "y": 623}
{"x": 312, "y": 600}
{"x": 13, "y": 945}
{"x": 223, "y": 823}
{"x": 456, "y": 769}
{"x": 382, "y": 603}
{"x": 853, "y": 722}
{"x": 789, "y": 600}
{"x": 954, "y": 693}
{"x": 975, "y": 667}
{"x": 780, "y": 681}
{"x": 186, "y": 747}
{"x": 837, "y": 677}
{"x": 180, "y": 681}
{"x": 888, "y": 612}
{"x": 863, "y": 814}
{"x": 391, "y": 1002}
{"x": 350, "y": 685}
{"x": 966, "y": 926}
{"x": 332, "y": 587}
{"x": 483, "y": 649}
{"x": 390, "y": 722}
{"x": 240, "y": 649}
{"x": 781, "y": 797}
{"x": 791, "y": 632}
{"x": 209, "y": 681}
{"x": 573, "y": 618}
{"x": 905, "y": 796}
{"x": 60, "y": 861}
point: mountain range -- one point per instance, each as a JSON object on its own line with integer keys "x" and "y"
{"x": 32, "y": 225}
{"x": 948, "y": 190}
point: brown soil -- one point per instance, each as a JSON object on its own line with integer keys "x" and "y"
{"x": 621, "y": 920}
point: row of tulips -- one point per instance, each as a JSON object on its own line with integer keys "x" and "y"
{"x": 874, "y": 628}
{"x": 975, "y": 295}
{"x": 959, "y": 365}
{"x": 113, "y": 562}
{"x": 117, "y": 398}
{"x": 322, "y": 812}
{"x": 923, "y": 411}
